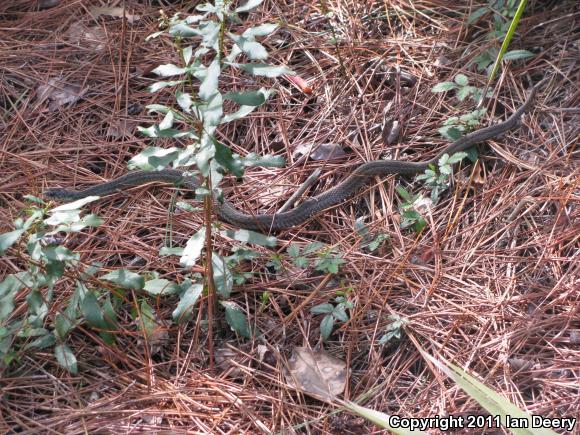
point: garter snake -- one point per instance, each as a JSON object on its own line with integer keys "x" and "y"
{"x": 278, "y": 221}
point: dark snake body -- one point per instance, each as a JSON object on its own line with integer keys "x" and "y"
{"x": 278, "y": 221}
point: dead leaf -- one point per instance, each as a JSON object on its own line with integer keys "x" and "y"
{"x": 92, "y": 37}
{"x": 316, "y": 373}
{"x": 121, "y": 128}
{"x": 59, "y": 93}
{"x": 113, "y": 12}
{"x": 324, "y": 151}
{"x": 300, "y": 83}
{"x": 518, "y": 364}
{"x": 391, "y": 131}
{"x": 228, "y": 360}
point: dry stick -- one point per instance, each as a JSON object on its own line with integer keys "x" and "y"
{"x": 306, "y": 301}
{"x": 309, "y": 182}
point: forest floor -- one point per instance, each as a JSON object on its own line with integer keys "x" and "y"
{"x": 491, "y": 283}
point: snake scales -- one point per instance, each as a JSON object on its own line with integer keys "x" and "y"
{"x": 278, "y": 221}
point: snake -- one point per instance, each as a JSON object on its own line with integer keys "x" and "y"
{"x": 359, "y": 177}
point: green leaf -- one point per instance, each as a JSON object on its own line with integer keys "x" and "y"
{"x": 253, "y": 49}
{"x": 450, "y": 132}
{"x": 33, "y": 198}
{"x": 250, "y": 98}
{"x": 8, "y": 239}
{"x": 262, "y": 30}
{"x": 312, "y": 247}
{"x": 8, "y": 289}
{"x": 419, "y": 225}
{"x": 34, "y": 217}
{"x": 301, "y": 262}
{"x": 186, "y": 303}
{"x": 183, "y": 30}
{"x": 193, "y": 248}
{"x": 42, "y": 342}
{"x": 208, "y": 7}
{"x": 109, "y": 316}
{"x": 326, "y": 327}
{"x": 445, "y": 169}
{"x": 155, "y": 131}
{"x": 160, "y": 85}
{"x": 403, "y": 193}
{"x": 322, "y": 309}
{"x": 167, "y": 121}
{"x": 444, "y": 86}
{"x": 165, "y": 251}
{"x": 293, "y": 250}
{"x": 478, "y": 13}
{"x": 184, "y": 101}
{"x": 148, "y": 319}
{"x": 517, "y": 54}
{"x": 62, "y": 326}
{"x": 461, "y": 80}
{"x": 380, "y": 419}
{"x": 186, "y": 54}
{"x": 456, "y": 158}
{"x": 212, "y": 112}
{"x": 91, "y": 220}
{"x": 154, "y": 35}
{"x": 224, "y": 157}
{"x": 236, "y": 319}
{"x": 463, "y": 93}
{"x": 251, "y": 237}
{"x": 339, "y": 313}
{"x": 491, "y": 401}
{"x": 254, "y": 159}
{"x": 187, "y": 207}
{"x": 209, "y": 85}
{"x": 75, "y": 205}
{"x": 168, "y": 70}
{"x": 153, "y": 158}
{"x": 66, "y": 358}
{"x": 238, "y": 114}
{"x": 263, "y": 69}
{"x": 125, "y": 279}
{"x": 251, "y": 4}
{"x": 59, "y": 253}
{"x": 222, "y": 276}
{"x": 92, "y": 311}
{"x": 160, "y": 286}
{"x": 242, "y": 254}
{"x": 210, "y": 31}
{"x": 472, "y": 154}
{"x": 378, "y": 241}
{"x": 328, "y": 264}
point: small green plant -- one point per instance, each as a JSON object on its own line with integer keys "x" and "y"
{"x": 333, "y": 312}
{"x": 196, "y": 115}
{"x": 456, "y": 126}
{"x": 316, "y": 254}
{"x": 438, "y": 180}
{"x": 328, "y": 261}
{"x": 410, "y": 217}
{"x": 275, "y": 262}
{"x": 394, "y": 330}
{"x": 503, "y": 12}
{"x": 462, "y": 88}
{"x": 370, "y": 240}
